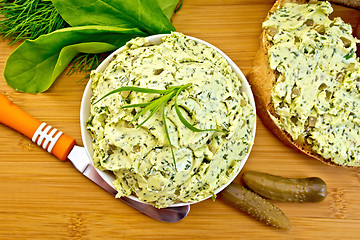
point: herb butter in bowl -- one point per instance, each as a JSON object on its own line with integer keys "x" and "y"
{"x": 168, "y": 120}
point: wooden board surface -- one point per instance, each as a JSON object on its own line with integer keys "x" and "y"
{"x": 43, "y": 198}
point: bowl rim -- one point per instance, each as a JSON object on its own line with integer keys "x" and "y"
{"x": 85, "y": 113}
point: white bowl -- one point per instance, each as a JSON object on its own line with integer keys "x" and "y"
{"x": 85, "y": 111}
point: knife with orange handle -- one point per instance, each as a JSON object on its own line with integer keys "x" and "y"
{"x": 44, "y": 135}
{"x": 64, "y": 148}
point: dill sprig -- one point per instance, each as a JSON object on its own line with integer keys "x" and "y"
{"x": 28, "y": 19}
{"x": 155, "y": 104}
{"x": 85, "y": 62}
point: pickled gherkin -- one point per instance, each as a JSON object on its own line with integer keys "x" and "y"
{"x": 254, "y": 205}
{"x": 278, "y": 188}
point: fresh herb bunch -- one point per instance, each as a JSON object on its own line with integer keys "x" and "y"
{"x": 95, "y": 26}
{"x": 155, "y": 104}
{"x": 29, "y": 19}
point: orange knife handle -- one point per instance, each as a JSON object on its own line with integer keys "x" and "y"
{"x": 44, "y": 135}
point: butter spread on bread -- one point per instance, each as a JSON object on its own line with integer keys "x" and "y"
{"x": 316, "y": 91}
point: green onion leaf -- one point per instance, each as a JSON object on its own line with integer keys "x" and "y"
{"x": 168, "y": 137}
{"x": 162, "y": 102}
{"x": 134, "y": 89}
{"x": 136, "y": 105}
{"x": 155, "y": 104}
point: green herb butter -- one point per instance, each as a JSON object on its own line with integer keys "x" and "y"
{"x": 316, "y": 95}
{"x": 141, "y": 158}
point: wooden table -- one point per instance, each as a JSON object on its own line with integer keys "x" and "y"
{"x": 43, "y": 198}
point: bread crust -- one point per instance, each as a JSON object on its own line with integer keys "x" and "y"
{"x": 349, "y": 3}
{"x": 262, "y": 79}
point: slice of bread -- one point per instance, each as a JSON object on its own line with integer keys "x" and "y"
{"x": 262, "y": 79}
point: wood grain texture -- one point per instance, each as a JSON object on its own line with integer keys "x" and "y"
{"x": 43, "y": 198}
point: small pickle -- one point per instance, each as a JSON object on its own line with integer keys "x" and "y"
{"x": 278, "y": 188}
{"x": 254, "y": 205}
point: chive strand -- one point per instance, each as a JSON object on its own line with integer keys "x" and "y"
{"x": 132, "y": 88}
{"x": 153, "y": 105}
{"x": 168, "y": 137}
{"x": 161, "y": 101}
{"x": 136, "y": 105}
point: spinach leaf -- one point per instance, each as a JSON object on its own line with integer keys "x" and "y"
{"x": 145, "y": 14}
{"x": 35, "y": 64}
{"x": 168, "y": 6}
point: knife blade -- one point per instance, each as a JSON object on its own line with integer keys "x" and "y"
{"x": 64, "y": 148}
{"x": 80, "y": 160}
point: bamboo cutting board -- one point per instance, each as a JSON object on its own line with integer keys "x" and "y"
{"x": 43, "y": 198}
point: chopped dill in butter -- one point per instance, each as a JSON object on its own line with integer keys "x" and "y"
{"x": 141, "y": 158}
{"x": 317, "y": 92}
